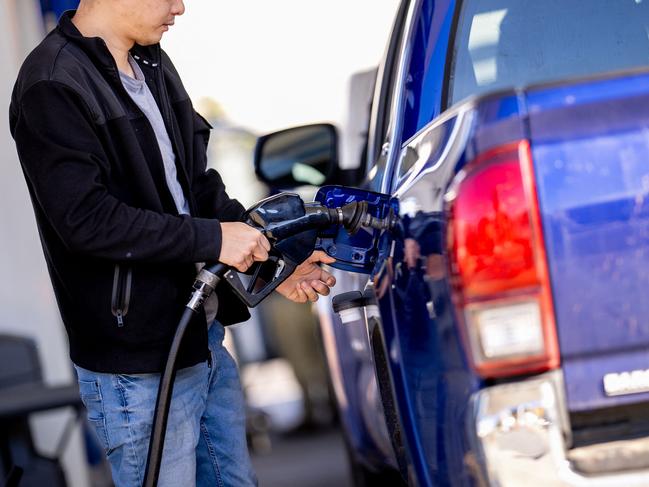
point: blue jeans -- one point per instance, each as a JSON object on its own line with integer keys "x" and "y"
{"x": 205, "y": 443}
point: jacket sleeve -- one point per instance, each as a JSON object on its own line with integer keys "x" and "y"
{"x": 213, "y": 201}
{"x": 208, "y": 188}
{"x": 67, "y": 169}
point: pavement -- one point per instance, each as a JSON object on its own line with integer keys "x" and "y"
{"x": 313, "y": 459}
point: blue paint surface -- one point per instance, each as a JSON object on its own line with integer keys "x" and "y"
{"x": 591, "y": 154}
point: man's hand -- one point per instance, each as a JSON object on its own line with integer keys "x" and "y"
{"x": 241, "y": 245}
{"x": 308, "y": 280}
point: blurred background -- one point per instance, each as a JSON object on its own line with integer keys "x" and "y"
{"x": 250, "y": 67}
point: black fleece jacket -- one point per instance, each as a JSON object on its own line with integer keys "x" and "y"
{"x": 120, "y": 257}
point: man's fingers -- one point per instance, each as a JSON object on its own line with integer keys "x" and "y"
{"x": 245, "y": 264}
{"x": 320, "y": 256}
{"x": 260, "y": 254}
{"x": 241, "y": 245}
{"x": 327, "y": 278}
{"x": 242, "y": 268}
{"x": 263, "y": 241}
{"x": 320, "y": 287}
{"x": 309, "y": 291}
{"x": 301, "y": 296}
{"x": 260, "y": 248}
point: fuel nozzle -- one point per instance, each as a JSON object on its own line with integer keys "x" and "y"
{"x": 354, "y": 216}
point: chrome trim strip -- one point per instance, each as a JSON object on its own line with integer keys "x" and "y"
{"x": 396, "y": 108}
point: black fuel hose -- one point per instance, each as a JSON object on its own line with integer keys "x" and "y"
{"x": 163, "y": 402}
{"x": 165, "y": 390}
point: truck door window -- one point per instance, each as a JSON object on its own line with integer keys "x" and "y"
{"x": 426, "y": 67}
{"x": 424, "y": 82}
{"x": 380, "y": 117}
{"x": 514, "y": 43}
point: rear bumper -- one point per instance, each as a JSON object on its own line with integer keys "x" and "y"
{"x": 520, "y": 432}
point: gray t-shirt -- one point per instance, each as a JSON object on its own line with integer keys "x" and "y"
{"x": 141, "y": 95}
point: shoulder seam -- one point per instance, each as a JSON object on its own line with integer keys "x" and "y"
{"x": 56, "y": 58}
{"x": 50, "y": 74}
{"x": 65, "y": 86}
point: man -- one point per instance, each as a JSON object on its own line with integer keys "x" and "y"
{"x": 115, "y": 161}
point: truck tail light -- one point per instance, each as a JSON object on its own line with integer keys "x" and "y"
{"x": 498, "y": 265}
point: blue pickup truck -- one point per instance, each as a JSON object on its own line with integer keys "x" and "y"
{"x": 501, "y": 335}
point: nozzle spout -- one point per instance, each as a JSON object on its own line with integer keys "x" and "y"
{"x": 356, "y": 215}
{"x": 353, "y": 216}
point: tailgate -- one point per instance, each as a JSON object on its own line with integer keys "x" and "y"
{"x": 590, "y": 146}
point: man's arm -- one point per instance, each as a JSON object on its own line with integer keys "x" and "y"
{"x": 207, "y": 185}
{"x": 66, "y": 167}
{"x": 212, "y": 199}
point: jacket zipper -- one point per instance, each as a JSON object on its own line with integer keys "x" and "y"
{"x": 121, "y": 295}
{"x": 165, "y": 110}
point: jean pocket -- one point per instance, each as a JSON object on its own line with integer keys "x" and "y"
{"x": 90, "y": 393}
{"x": 91, "y": 397}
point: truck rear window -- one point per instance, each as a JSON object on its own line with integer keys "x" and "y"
{"x": 514, "y": 43}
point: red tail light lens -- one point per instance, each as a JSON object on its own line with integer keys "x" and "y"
{"x": 498, "y": 265}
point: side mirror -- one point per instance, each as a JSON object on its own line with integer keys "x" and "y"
{"x": 297, "y": 156}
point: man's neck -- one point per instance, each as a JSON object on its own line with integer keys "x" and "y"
{"x": 89, "y": 25}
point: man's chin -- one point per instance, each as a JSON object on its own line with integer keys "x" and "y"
{"x": 150, "y": 41}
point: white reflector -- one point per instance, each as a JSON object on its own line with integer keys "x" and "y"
{"x": 506, "y": 330}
